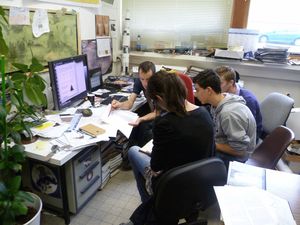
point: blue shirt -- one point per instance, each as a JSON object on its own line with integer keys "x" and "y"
{"x": 253, "y": 105}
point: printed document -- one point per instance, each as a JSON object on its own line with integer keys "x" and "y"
{"x": 252, "y": 206}
{"x": 120, "y": 119}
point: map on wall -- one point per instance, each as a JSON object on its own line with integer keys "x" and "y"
{"x": 60, "y": 42}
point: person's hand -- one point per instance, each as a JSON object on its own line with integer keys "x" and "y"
{"x": 115, "y": 104}
{"x": 135, "y": 123}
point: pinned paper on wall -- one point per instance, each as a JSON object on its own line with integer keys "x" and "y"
{"x": 40, "y": 22}
{"x": 19, "y": 16}
{"x": 103, "y": 47}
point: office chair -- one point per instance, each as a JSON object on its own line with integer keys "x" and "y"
{"x": 189, "y": 86}
{"x": 184, "y": 190}
{"x": 275, "y": 110}
{"x": 269, "y": 152}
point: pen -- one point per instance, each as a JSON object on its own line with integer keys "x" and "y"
{"x": 65, "y": 114}
{"x": 111, "y": 109}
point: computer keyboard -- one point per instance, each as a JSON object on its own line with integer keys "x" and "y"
{"x": 74, "y": 122}
{"x": 109, "y": 99}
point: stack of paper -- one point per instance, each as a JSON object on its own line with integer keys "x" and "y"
{"x": 252, "y": 206}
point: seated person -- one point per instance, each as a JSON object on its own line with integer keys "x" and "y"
{"x": 235, "y": 125}
{"x": 228, "y": 84}
{"x": 182, "y": 133}
{"x": 141, "y": 133}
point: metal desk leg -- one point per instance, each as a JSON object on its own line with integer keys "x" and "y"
{"x": 64, "y": 195}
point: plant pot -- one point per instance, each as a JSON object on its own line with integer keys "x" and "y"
{"x": 38, "y": 205}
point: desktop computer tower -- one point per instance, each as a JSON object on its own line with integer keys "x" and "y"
{"x": 83, "y": 178}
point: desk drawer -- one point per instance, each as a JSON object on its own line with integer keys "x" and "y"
{"x": 87, "y": 174}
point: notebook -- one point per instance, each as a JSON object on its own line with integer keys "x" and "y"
{"x": 92, "y": 130}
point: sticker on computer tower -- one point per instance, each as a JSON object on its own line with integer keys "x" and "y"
{"x": 45, "y": 179}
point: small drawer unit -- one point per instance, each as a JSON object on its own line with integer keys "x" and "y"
{"x": 86, "y": 176}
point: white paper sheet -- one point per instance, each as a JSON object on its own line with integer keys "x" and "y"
{"x": 19, "y": 16}
{"x": 252, "y": 206}
{"x": 103, "y": 47}
{"x": 119, "y": 119}
{"x": 40, "y": 22}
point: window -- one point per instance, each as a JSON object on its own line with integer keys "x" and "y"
{"x": 179, "y": 23}
{"x": 277, "y": 21}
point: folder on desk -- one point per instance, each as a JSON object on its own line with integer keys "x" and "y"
{"x": 92, "y": 130}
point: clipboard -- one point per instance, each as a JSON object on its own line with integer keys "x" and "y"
{"x": 92, "y": 130}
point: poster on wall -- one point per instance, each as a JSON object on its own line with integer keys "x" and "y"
{"x": 81, "y": 3}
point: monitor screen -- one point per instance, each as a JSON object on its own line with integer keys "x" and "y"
{"x": 69, "y": 81}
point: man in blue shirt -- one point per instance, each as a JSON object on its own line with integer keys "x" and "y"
{"x": 228, "y": 78}
{"x": 142, "y": 131}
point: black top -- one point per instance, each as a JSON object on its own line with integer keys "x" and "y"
{"x": 137, "y": 88}
{"x": 180, "y": 140}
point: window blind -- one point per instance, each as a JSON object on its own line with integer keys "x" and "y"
{"x": 185, "y": 23}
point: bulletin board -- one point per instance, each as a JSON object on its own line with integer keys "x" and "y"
{"x": 60, "y": 42}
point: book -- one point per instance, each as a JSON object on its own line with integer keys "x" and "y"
{"x": 147, "y": 148}
{"x": 92, "y": 130}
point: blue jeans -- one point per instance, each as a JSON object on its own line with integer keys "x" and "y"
{"x": 139, "y": 161}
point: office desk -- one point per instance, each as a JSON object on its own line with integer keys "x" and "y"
{"x": 38, "y": 150}
{"x": 287, "y": 186}
{"x": 290, "y": 157}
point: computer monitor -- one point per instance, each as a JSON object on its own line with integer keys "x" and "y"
{"x": 69, "y": 81}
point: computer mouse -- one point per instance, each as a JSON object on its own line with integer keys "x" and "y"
{"x": 87, "y": 112}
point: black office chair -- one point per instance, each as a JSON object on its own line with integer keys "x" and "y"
{"x": 269, "y": 152}
{"x": 185, "y": 190}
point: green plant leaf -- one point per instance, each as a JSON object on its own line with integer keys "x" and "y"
{"x": 23, "y": 195}
{"x": 19, "y": 208}
{"x": 34, "y": 92}
{"x": 16, "y": 137}
{"x": 18, "y": 77}
{"x": 2, "y": 112}
{"x": 2, "y": 14}
{"x": 3, "y": 45}
{"x": 22, "y": 67}
{"x": 14, "y": 184}
{"x": 36, "y": 66}
{"x": 39, "y": 82}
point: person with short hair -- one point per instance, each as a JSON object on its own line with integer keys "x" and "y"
{"x": 229, "y": 84}
{"x": 235, "y": 125}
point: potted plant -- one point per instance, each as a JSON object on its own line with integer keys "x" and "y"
{"x": 21, "y": 100}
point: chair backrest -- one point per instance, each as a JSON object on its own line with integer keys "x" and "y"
{"x": 268, "y": 153}
{"x": 275, "y": 110}
{"x": 184, "y": 189}
{"x": 189, "y": 86}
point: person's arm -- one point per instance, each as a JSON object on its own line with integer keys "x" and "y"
{"x": 226, "y": 148}
{"x": 234, "y": 127}
{"x": 124, "y": 105}
{"x": 147, "y": 117}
